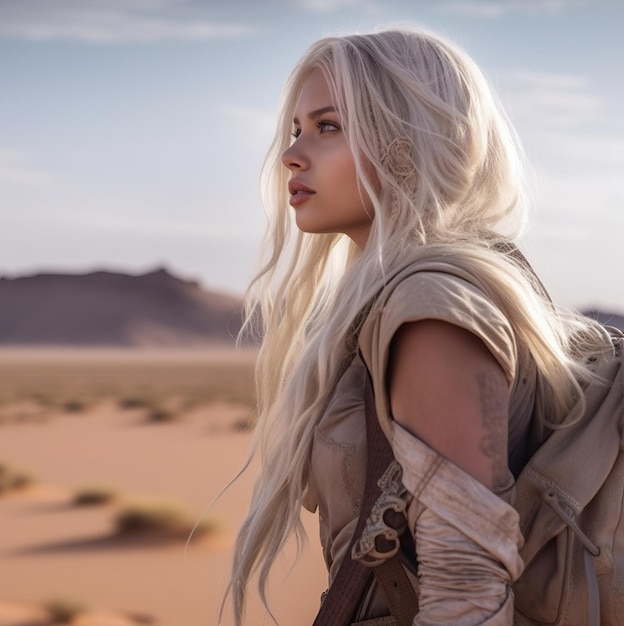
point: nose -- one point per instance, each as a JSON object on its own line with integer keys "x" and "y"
{"x": 294, "y": 159}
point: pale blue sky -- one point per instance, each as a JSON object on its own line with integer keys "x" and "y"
{"x": 132, "y": 131}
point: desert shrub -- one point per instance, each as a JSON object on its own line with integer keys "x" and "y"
{"x": 162, "y": 518}
{"x": 75, "y": 405}
{"x": 243, "y": 424}
{"x": 134, "y": 402}
{"x": 13, "y": 479}
{"x": 156, "y": 410}
{"x": 63, "y": 610}
{"x": 93, "y": 496}
{"x": 25, "y": 411}
{"x": 140, "y": 618}
{"x": 55, "y": 382}
{"x": 42, "y": 399}
{"x": 161, "y": 415}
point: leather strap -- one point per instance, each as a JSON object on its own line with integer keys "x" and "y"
{"x": 397, "y": 590}
{"x": 347, "y": 590}
{"x": 344, "y": 595}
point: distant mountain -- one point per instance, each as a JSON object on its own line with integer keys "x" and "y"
{"x": 609, "y": 319}
{"x": 103, "y": 308}
{"x": 111, "y": 309}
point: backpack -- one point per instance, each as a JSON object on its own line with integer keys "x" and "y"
{"x": 570, "y": 498}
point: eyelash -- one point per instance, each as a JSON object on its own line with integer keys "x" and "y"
{"x": 322, "y": 123}
{"x": 319, "y": 125}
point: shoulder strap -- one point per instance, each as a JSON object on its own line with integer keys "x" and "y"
{"x": 347, "y": 590}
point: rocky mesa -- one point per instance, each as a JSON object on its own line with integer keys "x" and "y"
{"x": 104, "y": 308}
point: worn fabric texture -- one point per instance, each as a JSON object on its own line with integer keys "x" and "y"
{"x": 467, "y": 540}
{"x": 581, "y": 468}
{"x": 460, "y": 527}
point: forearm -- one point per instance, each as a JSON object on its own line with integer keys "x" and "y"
{"x": 460, "y": 582}
{"x": 467, "y": 541}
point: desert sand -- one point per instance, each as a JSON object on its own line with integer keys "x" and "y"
{"x": 51, "y": 548}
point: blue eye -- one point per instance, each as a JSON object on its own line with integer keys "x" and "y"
{"x": 325, "y": 126}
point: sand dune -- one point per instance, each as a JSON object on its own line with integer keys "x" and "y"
{"x": 50, "y": 548}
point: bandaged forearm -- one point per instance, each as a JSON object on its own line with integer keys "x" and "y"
{"x": 467, "y": 540}
{"x": 460, "y": 583}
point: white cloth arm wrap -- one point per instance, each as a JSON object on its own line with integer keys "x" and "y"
{"x": 467, "y": 540}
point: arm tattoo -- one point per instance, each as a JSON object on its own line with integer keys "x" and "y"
{"x": 492, "y": 394}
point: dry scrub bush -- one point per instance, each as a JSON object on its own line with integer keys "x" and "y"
{"x": 243, "y": 424}
{"x": 12, "y": 479}
{"x": 160, "y": 518}
{"x": 93, "y": 496}
{"x": 52, "y": 384}
{"x": 156, "y": 412}
{"x": 160, "y": 415}
{"x": 134, "y": 402}
{"x": 63, "y": 610}
{"x": 75, "y": 405}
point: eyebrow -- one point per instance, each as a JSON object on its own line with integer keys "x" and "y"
{"x": 317, "y": 113}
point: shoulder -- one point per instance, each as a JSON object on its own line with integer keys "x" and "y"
{"x": 440, "y": 292}
{"x": 447, "y": 389}
{"x": 446, "y": 294}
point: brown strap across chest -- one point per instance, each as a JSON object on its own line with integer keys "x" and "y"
{"x": 351, "y": 581}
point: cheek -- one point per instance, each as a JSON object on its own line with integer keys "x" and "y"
{"x": 345, "y": 175}
{"x": 369, "y": 172}
{"x": 359, "y": 198}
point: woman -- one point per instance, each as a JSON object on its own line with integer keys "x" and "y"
{"x": 404, "y": 180}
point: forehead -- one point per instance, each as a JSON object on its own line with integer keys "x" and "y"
{"x": 315, "y": 94}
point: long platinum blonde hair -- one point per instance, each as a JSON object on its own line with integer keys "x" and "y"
{"x": 462, "y": 191}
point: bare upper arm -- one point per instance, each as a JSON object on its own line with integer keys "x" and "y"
{"x": 447, "y": 388}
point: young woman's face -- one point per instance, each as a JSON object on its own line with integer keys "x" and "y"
{"x": 323, "y": 187}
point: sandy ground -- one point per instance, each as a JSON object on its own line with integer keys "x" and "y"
{"x": 50, "y": 548}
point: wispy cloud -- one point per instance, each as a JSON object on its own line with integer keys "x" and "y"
{"x": 552, "y": 100}
{"x": 115, "y": 21}
{"x": 491, "y": 9}
{"x": 154, "y": 226}
{"x": 602, "y": 153}
{"x": 16, "y": 169}
{"x": 568, "y": 124}
{"x": 559, "y": 233}
{"x": 327, "y": 6}
{"x": 257, "y": 122}
{"x": 588, "y": 199}
{"x": 575, "y": 140}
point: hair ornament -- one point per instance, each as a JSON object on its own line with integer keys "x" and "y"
{"x": 397, "y": 158}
